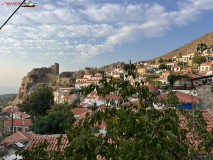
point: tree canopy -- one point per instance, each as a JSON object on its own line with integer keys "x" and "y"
{"x": 197, "y": 59}
{"x": 38, "y": 102}
{"x": 174, "y": 77}
{"x": 160, "y": 60}
{"x": 162, "y": 66}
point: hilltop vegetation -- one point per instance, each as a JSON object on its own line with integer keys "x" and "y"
{"x": 6, "y": 98}
{"x": 189, "y": 47}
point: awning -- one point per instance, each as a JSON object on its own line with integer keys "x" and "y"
{"x": 19, "y": 144}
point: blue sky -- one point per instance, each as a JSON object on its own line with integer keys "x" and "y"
{"x": 80, "y": 33}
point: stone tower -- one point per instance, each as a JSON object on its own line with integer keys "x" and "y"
{"x": 55, "y": 68}
{"x": 87, "y": 71}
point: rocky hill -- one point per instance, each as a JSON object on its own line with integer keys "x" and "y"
{"x": 38, "y": 77}
{"x": 112, "y": 66}
{"x": 189, "y": 47}
{"x": 43, "y": 77}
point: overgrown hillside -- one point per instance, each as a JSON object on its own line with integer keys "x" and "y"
{"x": 6, "y": 98}
{"x": 189, "y": 47}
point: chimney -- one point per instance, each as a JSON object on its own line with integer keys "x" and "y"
{"x": 24, "y": 122}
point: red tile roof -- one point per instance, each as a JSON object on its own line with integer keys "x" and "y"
{"x": 183, "y": 97}
{"x": 17, "y": 137}
{"x": 83, "y": 115}
{"x": 18, "y": 122}
{"x": 110, "y": 97}
{"x": 159, "y": 79}
{"x": 52, "y": 139}
{"x": 93, "y": 94}
{"x": 79, "y": 111}
{"x": 67, "y": 97}
{"x": 206, "y": 63}
{"x": 102, "y": 107}
{"x": 176, "y": 67}
{"x": 193, "y": 76}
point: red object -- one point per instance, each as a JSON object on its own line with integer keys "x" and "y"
{"x": 33, "y": 5}
{"x": 25, "y": 5}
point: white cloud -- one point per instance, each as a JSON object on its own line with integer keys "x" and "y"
{"x": 84, "y": 29}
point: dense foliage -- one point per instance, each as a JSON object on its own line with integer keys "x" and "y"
{"x": 160, "y": 60}
{"x": 174, "y": 77}
{"x": 197, "y": 59}
{"x": 151, "y": 76}
{"x": 162, "y": 66}
{"x": 5, "y": 99}
{"x": 38, "y": 102}
{"x": 136, "y": 130}
{"x": 52, "y": 123}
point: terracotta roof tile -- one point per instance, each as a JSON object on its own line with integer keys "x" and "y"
{"x": 18, "y": 122}
{"x": 79, "y": 111}
{"x": 206, "y": 63}
{"x": 110, "y": 97}
{"x": 17, "y": 137}
{"x": 67, "y": 97}
{"x": 102, "y": 107}
{"x": 183, "y": 97}
{"x": 51, "y": 139}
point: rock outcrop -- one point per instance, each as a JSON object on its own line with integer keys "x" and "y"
{"x": 38, "y": 77}
{"x": 112, "y": 66}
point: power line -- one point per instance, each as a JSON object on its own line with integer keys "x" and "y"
{"x": 12, "y": 15}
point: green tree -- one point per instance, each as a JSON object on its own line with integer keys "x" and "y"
{"x": 169, "y": 60}
{"x": 201, "y": 47}
{"x": 52, "y": 123}
{"x": 197, "y": 59}
{"x": 174, "y": 77}
{"x": 58, "y": 115}
{"x": 180, "y": 63}
{"x": 38, "y": 102}
{"x": 146, "y": 134}
{"x": 151, "y": 76}
{"x": 160, "y": 60}
{"x": 162, "y": 66}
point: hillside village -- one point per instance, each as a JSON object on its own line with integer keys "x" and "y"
{"x": 192, "y": 83}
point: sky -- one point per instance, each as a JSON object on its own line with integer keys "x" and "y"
{"x": 92, "y": 33}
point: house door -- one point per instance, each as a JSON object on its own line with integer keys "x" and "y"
{"x": 14, "y": 129}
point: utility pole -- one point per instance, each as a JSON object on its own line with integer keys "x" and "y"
{"x": 12, "y": 123}
{"x": 3, "y": 125}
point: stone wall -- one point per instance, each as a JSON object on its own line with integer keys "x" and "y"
{"x": 205, "y": 95}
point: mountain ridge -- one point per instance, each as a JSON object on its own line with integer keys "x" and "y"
{"x": 188, "y": 47}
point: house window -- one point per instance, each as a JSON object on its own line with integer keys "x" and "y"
{"x": 26, "y": 129}
{"x": 20, "y": 129}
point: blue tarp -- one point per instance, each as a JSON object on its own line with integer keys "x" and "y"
{"x": 187, "y": 106}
